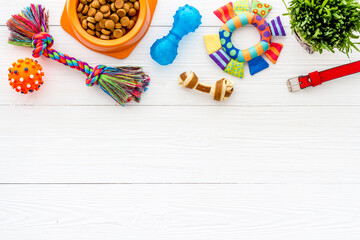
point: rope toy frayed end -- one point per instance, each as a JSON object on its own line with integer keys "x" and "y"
{"x": 30, "y": 29}
{"x": 123, "y": 84}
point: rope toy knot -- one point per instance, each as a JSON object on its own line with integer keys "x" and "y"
{"x": 41, "y": 42}
{"x": 93, "y": 78}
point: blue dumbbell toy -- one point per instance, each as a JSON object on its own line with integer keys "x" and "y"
{"x": 187, "y": 20}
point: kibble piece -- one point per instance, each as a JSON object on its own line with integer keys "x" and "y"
{"x": 102, "y": 2}
{"x": 118, "y": 33}
{"x": 126, "y": 7}
{"x": 84, "y": 24}
{"x": 134, "y": 18}
{"x": 91, "y": 32}
{"x": 85, "y": 10}
{"x": 109, "y": 24}
{"x": 91, "y": 19}
{"x": 125, "y": 21}
{"x": 132, "y": 0}
{"x": 131, "y": 24}
{"x": 132, "y": 12}
{"x": 91, "y": 12}
{"x": 84, "y": 2}
{"x": 112, "y": 7}
{"x": 124, "y": 30}
{"x": 104, "y": 37}
{"x": 95, "y": 4}
{"x": 102, "y": 23}
{"x": 89, "y": 1}
{"x": 105, "y": 31}
{"x": 114, "y": 17}
{"x": 98, "y": 34}
{"x": 106, "y": 15}
{"x": 91, "y": 26}
{"x": 104, "y": 9}
{"x": 121, "y": 13}
{"x": 119, "y": 4}
{"x": 118, "y": 25}
{"x": 98, "y": 28}
{"x": 80, "y": 7}
{"x": 137, "y": 5}
{"x": 99, "y": 16}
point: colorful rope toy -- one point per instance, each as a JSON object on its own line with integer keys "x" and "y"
{"x": 236, "y": 15}
{"x": 30, "y": 29}
{"x": 26, "y": 76}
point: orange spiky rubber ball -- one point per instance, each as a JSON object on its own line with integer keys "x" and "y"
{"x": 26, "y": 76}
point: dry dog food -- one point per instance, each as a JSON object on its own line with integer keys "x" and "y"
{"x": 108, "y": 19}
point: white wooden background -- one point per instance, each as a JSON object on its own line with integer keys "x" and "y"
{"x": 267, "y": 164}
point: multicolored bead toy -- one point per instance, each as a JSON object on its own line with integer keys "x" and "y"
{"x": 26, "y": 76}
{"x": 235, "y": 15}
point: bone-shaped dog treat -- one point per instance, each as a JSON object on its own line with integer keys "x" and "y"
{"x": 220, "y": 91}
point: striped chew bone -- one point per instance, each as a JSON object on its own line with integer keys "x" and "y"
{"x": 220, "y": 91}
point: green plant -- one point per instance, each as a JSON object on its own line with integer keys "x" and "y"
{"x": 326, "y": 24}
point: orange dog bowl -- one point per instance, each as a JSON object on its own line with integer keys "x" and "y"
{"x": 118, "y": 48}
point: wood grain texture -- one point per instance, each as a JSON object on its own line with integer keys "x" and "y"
{"x": 202, "y": 212}
{"x": 180, "y": 144}
{"x": 267, "y": 164}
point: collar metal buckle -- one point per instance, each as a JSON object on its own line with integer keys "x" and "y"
{"x": 293, "y": 84}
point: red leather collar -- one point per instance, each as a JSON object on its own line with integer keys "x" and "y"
{"x": 317, "y": 78}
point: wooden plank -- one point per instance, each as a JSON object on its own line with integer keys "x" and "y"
{"x": 201, "y": 212}
{"x": 163, "y": 15}
{"x": 65, "y": 86}
{"x": 179, "y": 144}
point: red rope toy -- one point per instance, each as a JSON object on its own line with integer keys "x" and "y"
{"x": 30, "y": 29}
